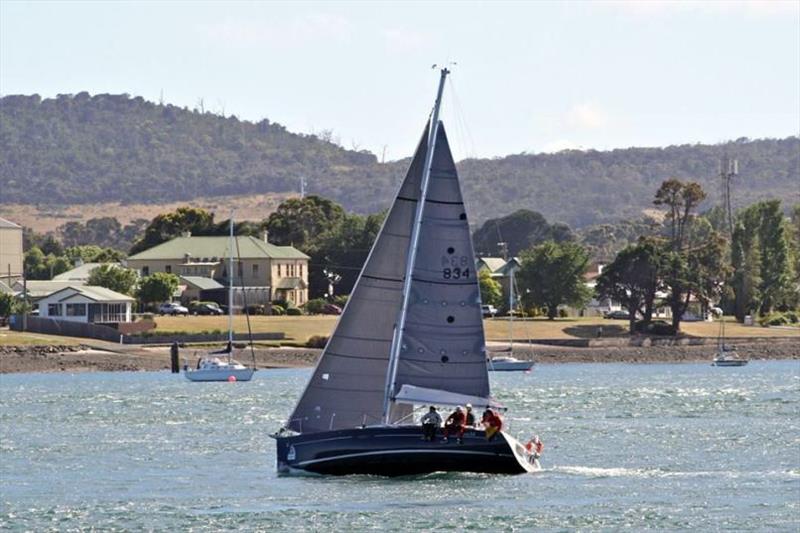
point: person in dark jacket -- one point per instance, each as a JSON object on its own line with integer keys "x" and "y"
{"x": 470, "y": 416}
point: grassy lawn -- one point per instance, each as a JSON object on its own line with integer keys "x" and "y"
{"x": 16, "y": 338}
{"x": 299, "y": 328}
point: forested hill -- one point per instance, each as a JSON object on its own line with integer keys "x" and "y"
{"x": 85, "y": 149}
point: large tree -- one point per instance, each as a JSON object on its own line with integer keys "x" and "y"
{"x": 170, "y": 225}
{"x": 551, "y": 274}
{"x": 157, "y": 287}
{"x": 520, "y": 230}
{"x": 633, "y": 279}
{"x": 116, "y": 278}
{"x": 305, "y": 222}
{"x": 491, "y": 291}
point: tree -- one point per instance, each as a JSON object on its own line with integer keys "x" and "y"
{"x": 633, "y": 279}
{"x": 520, "y": 230}
{"x": 116, "y": 278}
{"x": 304, "y": 222}
{"x": 491, "y": 291}
{"x": 551, "y": 274}
{"x": 8, "y": 304}
{"x": 91, "y": 253}
{"x": 39, "y": 266}
{"x": 693, "y": 249}
{"x": 170, "y": 225}
{"x": 157, "y": 287}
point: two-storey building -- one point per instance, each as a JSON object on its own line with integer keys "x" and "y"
{"x": 279, "y": 271}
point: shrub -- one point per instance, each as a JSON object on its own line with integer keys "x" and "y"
{"x": 315, "y": 306}
{"x": 775, "y": 319}
{"x": 657, "y": 327}
{"x": 341, "y": 299}
{"x": 294, "y": 311}
{"x": 257, "y": 309}
{"x": 278, "y": 310}
{"x": 317, "y": 341}
{"x": 562, "y": 313}
{"x": 283, "y": 304}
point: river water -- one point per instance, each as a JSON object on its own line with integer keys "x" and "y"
{"x": 662, "y": 447}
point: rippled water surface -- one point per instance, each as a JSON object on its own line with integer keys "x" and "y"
{"x": 627, "y": 446}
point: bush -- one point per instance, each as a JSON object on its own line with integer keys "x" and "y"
{"x": 283, "y": 304}
{"x": 775, "y": 319}
{"x": 562, "y": 313}
{"x": 657, "y": 327}
{"x": 341, "y": 299}
{"x": 278, "y": 310}
{"x": 317, "y": 341}
{"x": 294, "y": 311}
{"x": 257, "y": 309}
{"x": 315, "y": 306}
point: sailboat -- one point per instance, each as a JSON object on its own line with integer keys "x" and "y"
{"x": 726, "y": 356}
{"x": 509, "y": 363}
{"x": 220, "y": 365}
{"x": 410, "y": 334}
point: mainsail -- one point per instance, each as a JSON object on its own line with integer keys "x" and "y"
{"x": 442, "y": 344}
{"x": 348, "y": 386}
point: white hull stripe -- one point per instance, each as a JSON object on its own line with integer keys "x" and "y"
{"x": 397, "y": 452}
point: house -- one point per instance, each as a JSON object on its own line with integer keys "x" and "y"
{"x": 80, "y": 272}
{"x": 501, "y": 270}
{"x": 263, "y": 270}
{"x": 10, "y": 252}
{"x": 38, "y": 289}
{"x": 89, "y": 304}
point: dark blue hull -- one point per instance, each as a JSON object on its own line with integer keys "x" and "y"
{"x": 399, "y": 451}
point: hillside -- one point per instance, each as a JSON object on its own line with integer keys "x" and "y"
{"x": 86, "y": 149}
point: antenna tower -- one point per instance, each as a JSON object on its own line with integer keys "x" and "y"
{"x": 728, "y": 168}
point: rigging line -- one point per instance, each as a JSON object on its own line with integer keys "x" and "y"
{"x": 464, "y": 123}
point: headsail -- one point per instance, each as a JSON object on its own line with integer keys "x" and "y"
{"x": 443, "y": 345}
{"x": 348, "y": 386}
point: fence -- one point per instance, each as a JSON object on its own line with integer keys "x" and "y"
{"x": 52, "y": 326}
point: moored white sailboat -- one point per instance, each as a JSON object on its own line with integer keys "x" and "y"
{"x": 410, "y": 334}
{"x": 726, "y": 356}
{"x": 220, "y": 365}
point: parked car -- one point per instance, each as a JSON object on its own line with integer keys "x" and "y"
{"x": 488, "y": 311}
{"x": 618, "y": 315}
{"x": 331, "y": 309}
{"x": 207, "y": 309}
{"x": 172, "y": 308}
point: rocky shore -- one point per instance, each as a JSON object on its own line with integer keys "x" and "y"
{"x": 84, "y": 358}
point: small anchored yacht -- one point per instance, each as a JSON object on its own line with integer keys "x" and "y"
{"x": 726, "y": 356}
{"x": 410, "y": 335}
{"x": 220, "y": 365}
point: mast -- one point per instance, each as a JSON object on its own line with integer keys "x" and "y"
{"x": 230, "y": 292}
{"x": 397, "y": 335}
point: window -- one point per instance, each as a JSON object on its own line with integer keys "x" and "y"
{"x": 301, "y": 270}
{"x": 168, "y": 269}
{"x": 76, "y": 310}
{"x": 279, "y": 270}
{"x": 145, "y": 270}
{"x": 53, "y": 309}
{"x": 255, "y": 269}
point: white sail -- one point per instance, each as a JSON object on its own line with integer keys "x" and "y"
{"x": 442, "y": 344}
{"x": 347, "y": 388}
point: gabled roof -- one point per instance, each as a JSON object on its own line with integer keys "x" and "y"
{"x": 5, "y": 288}
{"x": 80, "y": 273}
{"x": 217, "y": 247}
{"x": 491, "y": 263}
{"x": 98, "y": 294}
{"x": 8, "y": 224}
{"x": 41, "y": 288}
{"x": 202, "y": 283}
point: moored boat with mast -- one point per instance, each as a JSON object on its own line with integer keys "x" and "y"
{"x": 411, "y": 333}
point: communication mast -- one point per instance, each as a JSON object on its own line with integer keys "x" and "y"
{"x": 728, "y": 168}
{"x": 302, "y": 187}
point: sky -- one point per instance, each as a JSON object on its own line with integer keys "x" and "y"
{"x": 529, "y": 76}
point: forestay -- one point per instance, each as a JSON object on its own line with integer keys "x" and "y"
{"x": 347, "y": 388}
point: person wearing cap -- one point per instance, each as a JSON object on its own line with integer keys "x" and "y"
{"x": 455, "y": 424}
{"x": 470, "y": 416}
{"x": 430, "y": 422}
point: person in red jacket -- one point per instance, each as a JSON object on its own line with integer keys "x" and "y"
{"x": 492, "y": 422}
{"x": 455, "y": 423}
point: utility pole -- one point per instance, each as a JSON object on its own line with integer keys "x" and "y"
{"x": 728, "y": 168}
{"x": 302, "y": 187}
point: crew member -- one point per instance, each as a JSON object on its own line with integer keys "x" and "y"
{"x": 470, "y": 416}
{"x": 430, "y": 422}
{"x": 455, "y": 424}
{"x": 492, "y": 422}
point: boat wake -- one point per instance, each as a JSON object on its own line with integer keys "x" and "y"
{"x": 599, "y": 473}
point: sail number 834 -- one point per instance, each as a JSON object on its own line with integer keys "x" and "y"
{"x": 455, "y": 267}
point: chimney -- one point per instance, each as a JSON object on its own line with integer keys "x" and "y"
{"x": 265, "y": 235}
{"x": 186, "y": 234}
{"x": 187, "y": 258}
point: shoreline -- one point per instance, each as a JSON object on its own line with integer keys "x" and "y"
{"x": 92, "y": 357}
